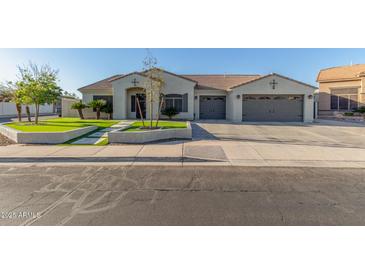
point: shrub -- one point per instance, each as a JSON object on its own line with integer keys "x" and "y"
{"x": 348, "y": 114}
{"x": 170, "y": 112}
{"x": 361, "y": 109}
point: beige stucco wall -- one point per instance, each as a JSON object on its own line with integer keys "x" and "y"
{"x": 262, "y": 86}
{"x": 325, "y": 91}
{"x": 173, "y": 84}
{"x": 200, "y": 92}
{"x": 88, "y": 112}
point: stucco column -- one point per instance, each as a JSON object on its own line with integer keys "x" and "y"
{"x": 124, "y": 104}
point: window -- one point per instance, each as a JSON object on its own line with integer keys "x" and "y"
{"x": 295, "y": 98}
{"x": 177, "y": 101}
{"x": 343, "y": 102}
{"x": 133, "y": 103}
{"x": 249, "y": 98}
{"x": 344, "y": 99}
{"x": 334, "y": 102}
{"x": 353, "y": 101}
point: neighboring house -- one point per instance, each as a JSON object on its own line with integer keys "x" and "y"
{"x": 63, "y": 106}
{"x": 341, "y": 88}
{"x": 233, "y": 97}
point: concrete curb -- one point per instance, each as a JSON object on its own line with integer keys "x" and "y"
{"x": 21, "y": 137}
{"x": 141, "y": 137}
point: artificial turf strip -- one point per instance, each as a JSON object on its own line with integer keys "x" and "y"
{"x": 60, "y": 124}
{"x": 136, "y": 126}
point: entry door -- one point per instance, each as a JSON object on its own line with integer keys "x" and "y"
{"x": 142, "y": 101}
{"x": 272, "y": 108}
{"x": 212, "y": 107}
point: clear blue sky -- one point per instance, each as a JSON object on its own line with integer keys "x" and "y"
{"x": 79, "y": 67}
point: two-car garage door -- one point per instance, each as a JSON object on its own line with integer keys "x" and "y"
{"x": 278, "y": 108}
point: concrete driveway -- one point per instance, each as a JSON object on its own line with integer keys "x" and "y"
{"x": 321, "y": 133}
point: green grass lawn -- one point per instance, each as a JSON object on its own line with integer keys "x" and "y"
{"x": 60, "y": 124}
{"x": 163, "y": 124}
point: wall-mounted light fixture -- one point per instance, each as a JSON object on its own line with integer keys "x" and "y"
{"x": 310, "y": 96}
{"x": 196, "y": 97}
{"x": 238, "y": 96}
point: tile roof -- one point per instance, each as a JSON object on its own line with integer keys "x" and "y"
{"x": 343, "y": 72}
{"x": 102, "y": 84}
{"x": 220, "y": 81}
{"x": 206, "y": 81}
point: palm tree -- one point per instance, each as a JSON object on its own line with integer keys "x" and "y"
{"x": 97, "y": 105}
{"x": 79, "y": 106}
{"x": 108, "y": 109}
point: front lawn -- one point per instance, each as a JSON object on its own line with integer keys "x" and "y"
{"x": 60, "y": 124}
{"x": 136, "y": 126}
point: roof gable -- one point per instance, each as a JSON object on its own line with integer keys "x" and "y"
{"x": 277, "y": 75}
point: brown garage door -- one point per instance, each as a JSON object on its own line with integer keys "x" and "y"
{"x": 275, "y": 108}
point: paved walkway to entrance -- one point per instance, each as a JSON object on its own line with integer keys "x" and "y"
{"x": 317, "y": 145}
{"x": 100, "y": 135}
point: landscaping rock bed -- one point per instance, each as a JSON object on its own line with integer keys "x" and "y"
{"x": 5, "y": 141}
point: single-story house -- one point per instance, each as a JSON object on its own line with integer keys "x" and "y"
{"x": 236, "y": 98}
{"x": 341, "y": 88}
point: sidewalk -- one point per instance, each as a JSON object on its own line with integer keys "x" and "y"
{"x": 189, "y": 153}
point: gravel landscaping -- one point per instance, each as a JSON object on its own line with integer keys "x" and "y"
{"x": 5, "y": 141}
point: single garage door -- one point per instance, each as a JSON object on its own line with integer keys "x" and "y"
{"x": 275, "y": 108}
{"x": 212, "y": 107}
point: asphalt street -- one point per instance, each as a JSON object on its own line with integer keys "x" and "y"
{"x": 163, "y": 195}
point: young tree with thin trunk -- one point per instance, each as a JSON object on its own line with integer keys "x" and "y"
{"x": 38, "y": 86}
{"x": 27, "y": 111}
{"x": 140, "y": 111}
{"x": 26, "y": 101}
{"x": 153, "y": 85}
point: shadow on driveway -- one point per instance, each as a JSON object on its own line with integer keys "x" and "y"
{"x": 200, "y": 133}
